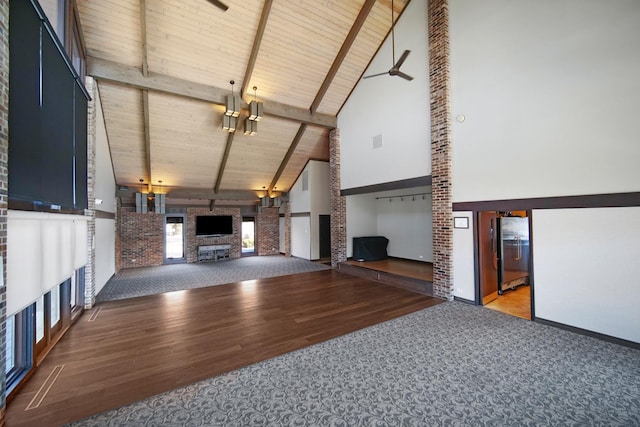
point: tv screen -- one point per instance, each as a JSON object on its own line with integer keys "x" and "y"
{"x": 214, "y": 225}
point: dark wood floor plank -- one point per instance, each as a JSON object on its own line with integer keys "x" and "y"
{"x": 144, "y": 346}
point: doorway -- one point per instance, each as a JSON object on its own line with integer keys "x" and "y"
{"x": 248, "y": 236}
{"x": 174, "y": 238}
{"x": 504, "y": 262}
{"x": 325, "y": 236}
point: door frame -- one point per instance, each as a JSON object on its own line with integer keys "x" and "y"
{"x": 249, "y": 218}
{"x": 323, "y": 238}
{"x": 184, "y": 239}
{"x": 476, "y": 258}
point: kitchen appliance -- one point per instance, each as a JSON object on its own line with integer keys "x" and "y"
{"x": 513, "y": 252}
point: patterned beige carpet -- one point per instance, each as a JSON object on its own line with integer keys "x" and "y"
{"x": 136, "y": 282}
{"x": 452, "y": 364}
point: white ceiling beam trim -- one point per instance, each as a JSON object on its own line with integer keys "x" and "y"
{"x": 103, "y": 70}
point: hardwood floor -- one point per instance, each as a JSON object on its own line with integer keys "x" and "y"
{"x": 516, "y": 302}
{"x": 123, "y": 351}
{"x": 401, "y": 267}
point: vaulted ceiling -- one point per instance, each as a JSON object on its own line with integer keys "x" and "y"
{"x": 163, "y": 69}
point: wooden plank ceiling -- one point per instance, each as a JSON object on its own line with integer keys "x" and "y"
{"x": 163, "y": 69}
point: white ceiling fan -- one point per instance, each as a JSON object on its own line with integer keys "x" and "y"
{"x": 395, "y": 69}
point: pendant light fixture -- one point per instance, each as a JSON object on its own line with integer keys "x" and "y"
{"x": 250, "y": 127}
{"x": 232, "y": 111}
{"x": 255, "y": 115}
{"x": 233, "y": 103}
{"x": 255, "y": 107}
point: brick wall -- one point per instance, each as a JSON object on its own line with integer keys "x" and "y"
{"x": 338, "y": 203}
{"x": 193, "y": 241}
{"x": 438, "y": 25}
{"x": 118, "y": 241}
{"x": 4, "y": 157}
{"x": 287, "y": 229}
{"x": 268, "y": 231}
{"x": 141, "y": 238}
{"x": 89, "y": 270}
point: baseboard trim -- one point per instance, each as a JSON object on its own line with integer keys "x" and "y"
{"x": 604, "y": 337}
{"x": 464, "y": 300}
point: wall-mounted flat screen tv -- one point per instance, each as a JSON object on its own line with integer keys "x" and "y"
{"x": 214, "y": 225}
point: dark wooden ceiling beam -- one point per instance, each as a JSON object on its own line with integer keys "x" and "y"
{"x": 147, "y": 132}
{"x": 143, "y": 32}
{"x": 266, "y": 9}
{"x": 108, "y": 71}
{"x": 342, "y": 53}
{"x": 223, "y": 162}
{"x": 287, "y": 157}
{"x": 145, "y": 92}
{"x": 128, "y": 191}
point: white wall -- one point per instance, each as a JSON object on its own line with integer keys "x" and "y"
{"x": 300, "y": 237}
{"x": 587, "y": 272}
{"x": 105, "y": 251}
{"x": 105, "y": 181}
{"x": 550, "y": 92}
{"x": 392, "y": 107}
{"x": 300, "y": 200}
{"x": 407, "y": 223}
{"x": 320, "y": 204}
{"x": 315, "y": 202}
{"x": 105, "y": 190}
{"x": 463, "y": 268}
{"x": 361, "y": 218}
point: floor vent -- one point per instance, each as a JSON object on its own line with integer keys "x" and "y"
{"x": 44, "y": 388}
{"x": 94, "y": 315}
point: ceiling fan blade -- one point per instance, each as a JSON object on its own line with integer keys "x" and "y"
{"x": 375, "y": 75}
{"x": 402, "y": 59}
{"x": 219, "y": 4}
{"x": 404, "y": 76}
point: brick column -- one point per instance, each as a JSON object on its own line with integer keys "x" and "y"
{"x": 438, "y": 24}
{"x": 89, "y": 270}
{"x": 267, "y": 231}
{"x": 118, "y": 240}
{"x": 4, "y": 187}
{"x": 287, "y": 229}
{"x": 337, "y": 202}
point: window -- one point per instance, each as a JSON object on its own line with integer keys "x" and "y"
{"x": 32, "y": 332}
{"x": 55, "y": 305}
{"x": 248, "y": 236}
{"x": 76, "y": 300}
{"x": 72, "y": 293}
{"x": 63, "y": 17}
{"x": 18, "y": 346}
{"x": 174, "y": 237}
{"x": 40, "y": 319}
{"x": 10, "y": 337}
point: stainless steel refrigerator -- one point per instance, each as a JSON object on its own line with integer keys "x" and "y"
{"x": 513, "y": 252}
